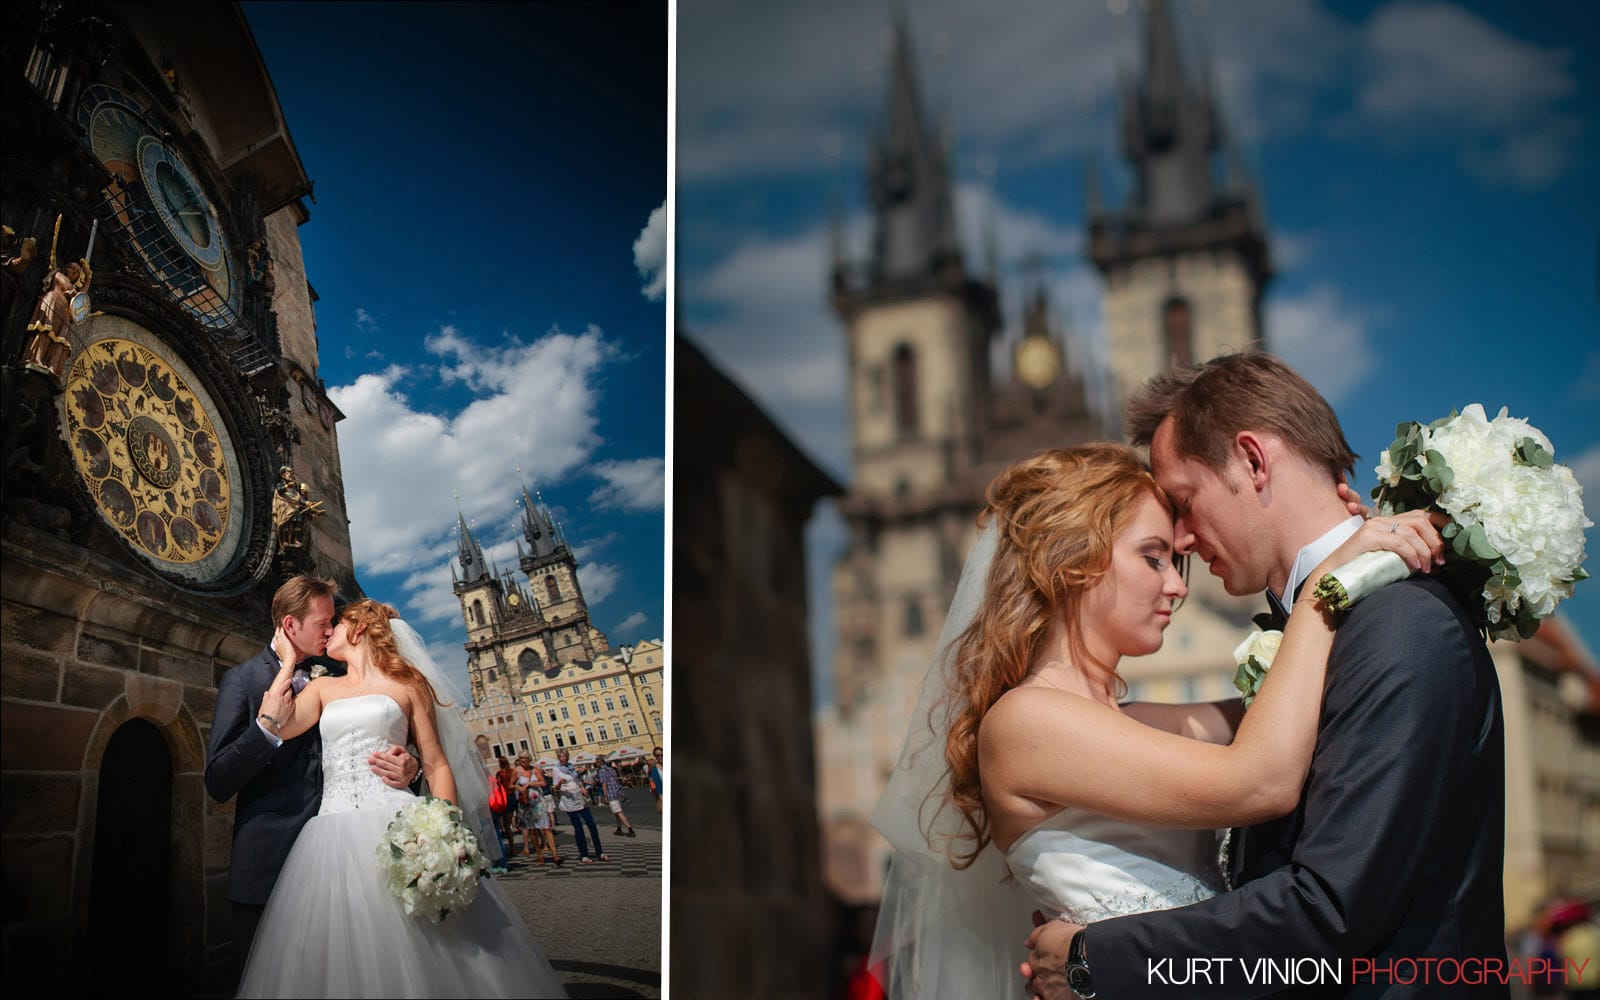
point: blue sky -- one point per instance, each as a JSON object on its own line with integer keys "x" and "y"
{"x": 488, "y": 245}
{"x": 1428, "y": 172}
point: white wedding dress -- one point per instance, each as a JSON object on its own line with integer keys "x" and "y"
{"x": 333, "y": 928}
{"x": 1087, "y": 867}
{"x": 945, "y": 932}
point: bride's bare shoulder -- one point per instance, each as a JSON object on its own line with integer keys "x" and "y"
{"x": 1025, "y": 714}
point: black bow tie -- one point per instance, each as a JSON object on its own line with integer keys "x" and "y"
{"x": 1275, "y": 618}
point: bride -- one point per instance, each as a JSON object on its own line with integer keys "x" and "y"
{"x": 332, "y": 926}
{"x": 1024, "y": 784}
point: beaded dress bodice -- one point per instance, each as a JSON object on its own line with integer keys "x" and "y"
{"x": 352, "y": 729}
{"x": 1088, "y": 867}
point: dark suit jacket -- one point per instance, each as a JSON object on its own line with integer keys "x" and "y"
{"x": 1396, "y": 848}
{"x": 279, "y": 789}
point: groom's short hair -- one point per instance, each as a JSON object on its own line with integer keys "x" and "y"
{"x": 1211, "y": 402}
{"x": 295, "y": 596}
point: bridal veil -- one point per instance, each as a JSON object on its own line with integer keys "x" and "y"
{"x": 944, "y": 932}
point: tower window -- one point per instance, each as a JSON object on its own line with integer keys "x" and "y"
{"x": 914, "y": 624}
{"x": 477, "y": 612}
{"x": 551, "y": 589}
{"x": 1177, "y": 331}
{"x": 905, "y": 391}
{"x": 491, "y": 673}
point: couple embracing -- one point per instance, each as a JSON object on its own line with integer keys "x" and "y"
{"x": 319, "y": 767}
{"x": 1366, "y": 779}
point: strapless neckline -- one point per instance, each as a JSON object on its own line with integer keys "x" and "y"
{"x": 1088, "y": 867}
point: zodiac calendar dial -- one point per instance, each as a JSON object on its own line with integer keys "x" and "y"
{"x": 152, "y": 453}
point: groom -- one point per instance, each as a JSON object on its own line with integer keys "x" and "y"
{"x": 279, "y": 782}
{"x": 1395, "y": 850}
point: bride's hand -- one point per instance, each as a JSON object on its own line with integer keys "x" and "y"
{"x": 1413, "y": 536}
{"x": 284, "y": 649}
{"x": 1352, "y": 499}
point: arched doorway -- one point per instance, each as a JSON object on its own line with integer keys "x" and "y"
{"x": 129, "y": 900}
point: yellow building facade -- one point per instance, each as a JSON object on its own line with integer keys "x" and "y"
{"x": 617, "y": 700}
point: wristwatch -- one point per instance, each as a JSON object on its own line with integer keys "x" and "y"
{"x": 1078, "y": 978}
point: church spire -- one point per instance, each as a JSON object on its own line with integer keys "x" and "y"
{"x": 1169, "y": 130}
{"x": 473, "y": 567}
{"x": 537, "y": 526}
{"x": 910, "y": 180}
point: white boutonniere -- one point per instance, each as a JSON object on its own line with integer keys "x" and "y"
{"x": 318, "y": 670}
{"x": 1254, "y": 656}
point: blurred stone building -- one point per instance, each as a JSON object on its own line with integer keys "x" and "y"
{"x": 152, "y": 401}
{"x": 1551, "y": 687}
{"x": 749, "y": 912}
{"x": 1184, "y": 264}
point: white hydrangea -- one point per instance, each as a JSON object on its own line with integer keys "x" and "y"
{"x": 430, "y": 859}
{"x": 1532, "y": 516}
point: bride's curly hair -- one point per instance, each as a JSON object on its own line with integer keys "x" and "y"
{"x": 369, "y": 620}
{"x": 1056, "y": 516}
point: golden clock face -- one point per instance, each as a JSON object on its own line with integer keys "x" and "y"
{"x": 152, "y": 450}
{"x": 514, "y": 599}
{"x": 1038, "y": 362}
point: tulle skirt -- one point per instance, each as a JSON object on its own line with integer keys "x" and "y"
{"x": 333, "y": 928}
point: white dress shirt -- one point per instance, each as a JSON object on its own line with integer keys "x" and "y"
{"x": 1312, "y": 554}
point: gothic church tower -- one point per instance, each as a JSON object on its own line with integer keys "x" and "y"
{"x": 1186, "y": 260}
{"x": 515, "y": 629}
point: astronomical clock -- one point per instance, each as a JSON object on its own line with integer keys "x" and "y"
{"x": 164, "y": 450}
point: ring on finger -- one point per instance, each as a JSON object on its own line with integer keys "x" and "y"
{"x": 1394, "y": 526}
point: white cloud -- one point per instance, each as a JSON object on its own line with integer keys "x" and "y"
{"x": 402, "y": 463}
{"x": 650, "y": 254}
{"x": 583, "y": 551}
{"x": 633, "y": 621}
{"x": 364, "y": 321}
{"x": 773, "y": 90}
{"x": 1323, "y": 337}
{"x": 638, "y": 484}
{"x": 598, "y": 580}
{"x": 1586, "y": 469}
{"x": 1433, "y": 68}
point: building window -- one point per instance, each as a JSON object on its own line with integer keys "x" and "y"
{"x": 588, "y": 686}
{"x": 572, "y": 737}
{"x": 545, "y": 739}
{"x": 605, "y": 733}
{"x": 633, "y": 730}
{"x": 582, "y": 710}
{"x": 529, "y": 662}
{"x": 497, "y": 751}
{"x": 564, "y": 716}
{"x": 594, "y": 707}
{"x": 905, "y": 391}
{"x": 551, "y": 589}
{"x": 588, "y": 734}
{"x": 559, "y": 744}
{"x": 523, "y": 744}
{"x": 914, "y": 625}
{"x": 538, "y": 717}
{"x": 547, "y": 696}
{"x": 1177, "y": 330}
{"x": 624, "y": 699}
{"x": 649, "y": 699}
{"x": 491, "y": 673}
{"x": 477, "y": 612}
{"x": 655, "y": 720}
{"x": 610, "y": 706}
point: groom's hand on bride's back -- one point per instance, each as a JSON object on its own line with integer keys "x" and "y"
{"x": 1045, "y": 971}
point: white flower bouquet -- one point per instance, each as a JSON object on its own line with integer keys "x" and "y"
{"x": 1515, "y": 535}
{"x": 1254, "y": 656}
{"x": 430, "y": 859}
